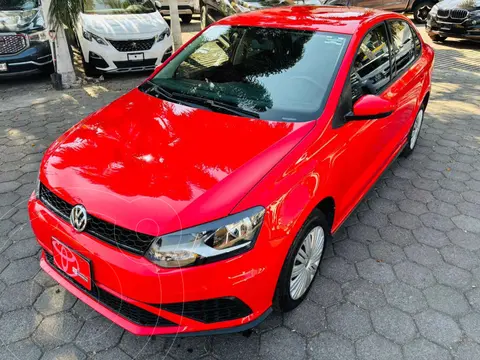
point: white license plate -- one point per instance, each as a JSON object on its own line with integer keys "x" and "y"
{"x": 3, "y": 67}
{"x": 136, "y": 57}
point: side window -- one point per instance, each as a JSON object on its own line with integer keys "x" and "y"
{"x": 417, "y": 43}
{"x": 403, "y": 45}
{"x": 371, "y": 68}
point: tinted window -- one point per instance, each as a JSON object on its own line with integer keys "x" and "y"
{"x": 118, "y": 7}
{"x": 279, "y": 74}
{"x": 371, "y": 68}
{"x": 404, "y": 47}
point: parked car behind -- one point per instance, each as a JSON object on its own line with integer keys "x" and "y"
{"x": 454, "y": 18}
{"x": 122, "y": 36}
{"x": 419, "y": 8}
{"x": 24, "y": 45}
{"x": 214, "y": 10}
{"x": 186, "y": 8}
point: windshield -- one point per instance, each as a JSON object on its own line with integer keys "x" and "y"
{"x": 109, "y": 7}
{"x": 18, "y": 4}
{"x": 277, "y": 74}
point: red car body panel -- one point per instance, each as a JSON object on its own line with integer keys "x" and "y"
{"x": 157, "y": 167}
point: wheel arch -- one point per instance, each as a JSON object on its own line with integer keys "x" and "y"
{"x": 425, "y": 99}
{"x": 327, "y": 207}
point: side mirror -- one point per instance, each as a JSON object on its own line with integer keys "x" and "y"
{"x": 158, "y": 4}
{"x": 370, "y": 107}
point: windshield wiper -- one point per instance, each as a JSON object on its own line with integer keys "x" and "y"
{"x": 218, "y": 105}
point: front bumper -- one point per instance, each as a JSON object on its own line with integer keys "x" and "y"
{"x": 108, "y": 59}
{"x": 250, "y": 278}
{"x": 463, "y": 30}
{"x": 182, "y": 10}
{"x": 37, "y": 57}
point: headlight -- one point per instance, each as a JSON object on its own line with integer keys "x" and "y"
{"x": 89, "y": 36}
{"x": 434, "y": 10}
{"x": 38, "y": 36}
{"x": 213, "y": 241}
{"x": 165, "y": 33}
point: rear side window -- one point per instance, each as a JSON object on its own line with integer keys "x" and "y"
{"x": 371, "y": 68}
{"x": 405, "y": 45}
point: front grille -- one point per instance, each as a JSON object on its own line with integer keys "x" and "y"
{"x": 118, "y": 236}
{"x": 458, "y": 14}
{"x": 132, "y": 45}
{"x": 134, "y": 64}
{"x": 129, "y": 311}
{"x": 211, "y": 310}
{"x": 12, "y": 44}
{"x": 443, "y": 13}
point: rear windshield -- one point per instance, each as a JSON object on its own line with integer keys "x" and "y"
{"x": 106, "y": 7}
{"x": 276, "y": 74}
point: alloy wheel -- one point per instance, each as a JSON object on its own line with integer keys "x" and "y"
{"x": 306, "y": 262}
{"x": 416, "y": 129}
{"x": 422, "y": 12}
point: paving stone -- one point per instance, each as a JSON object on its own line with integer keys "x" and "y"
{"x": 338, "y": 269}
{"x": 425, "y": 184}
{"x": 330, "y": 346}
{"x": 383, "y": 206}
{"x": 325, "y": 292}
{"x": 363, "y": 233}
{"x": 443, "y": 208}
{"x": 414, "y": 274}
{"x": 471, "y": 324}
{"x": 394, "y": 324}
{"x": 351, "y": 250}
{"x": 98, "y": 334}
{"x": 469, "y": 209}
{"x": 19, "y": 295}
{"x": 349, "y": 321}
{"x": 375, "y": 347}
{"x": 397, "y": 235}
{"x": 20, "y": 270}
{"x": 424, "y": 255}
{"x": 18, "y": 325}
{"x": 460, "y": 257}
{"x": 22, "y": 249}
{"x": 446, "y": 300}
{"x": 437, "y": 221}
{"x": 412, "y": 207}
{"x": 405, "y": 297}
{"x": 472, "y": 196}
{"x": 21, "y": 350}
{"x": 467, "y": 223}
{"x": 387, "y": 252}
{"x": 431, "y": 237}
{"x": 236, "y": 346}
{"x": 419, "y": 195}
{"x": 54, "y": 300}
{"x": 364, "y": 294}
{"x": 43, "y": 279}
{"x": 453, "y": 276}
{"x": 281, "y": 344}
{"x": 141, "y": 346}
{"x": 372, "y": 218}
{"x": 67, "y": 352}
{"x": 467, "y": 351}
{"x": 437, "y": 327}
{"x": 57, "y": 330}
{"x": 421, "y": 349}
{"x": 391, "y": 194}
{"x": 405, "y": 220}
{"x": 308, "y": 319}
{"x": 112, "y": 354}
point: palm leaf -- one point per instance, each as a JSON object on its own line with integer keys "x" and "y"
{"x": 64, "y": 13}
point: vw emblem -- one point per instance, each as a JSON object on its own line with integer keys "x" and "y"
{"x": 78, "y": 217}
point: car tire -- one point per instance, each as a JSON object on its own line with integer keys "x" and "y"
{"x": 414, "y": 133}
{"x": 90, "y": 71}
{"x": 203, "y": 17}
{"x": 421, "y": 9}
{"x": 288, "y": 294}
{"x": 437, "y": 38}
{"x": 186, "y": 19}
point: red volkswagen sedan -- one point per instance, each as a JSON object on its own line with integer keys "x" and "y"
{"x": 203, "y": 199}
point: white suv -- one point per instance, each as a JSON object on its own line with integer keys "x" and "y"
{"x": 186, "y": 8}
{"x": 122, "y": 36}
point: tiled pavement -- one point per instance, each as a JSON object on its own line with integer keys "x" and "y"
{"x": 400, "y": 281}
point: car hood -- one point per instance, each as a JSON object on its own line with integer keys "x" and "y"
{"x": 155, "y": 166}
{"x": 20, "y": 20}
{"x": 459, "y": 4}
{"x": 124, "y": 26}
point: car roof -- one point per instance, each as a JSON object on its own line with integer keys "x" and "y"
{"x": 337, "y": 19}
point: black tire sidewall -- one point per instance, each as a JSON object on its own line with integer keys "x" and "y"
{"x": 407, "y": 151}
{"x": 417, "y": 7}
{"x": 283, "y": 301}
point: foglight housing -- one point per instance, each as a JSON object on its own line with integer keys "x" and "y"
{"x": 217, "y": 240}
